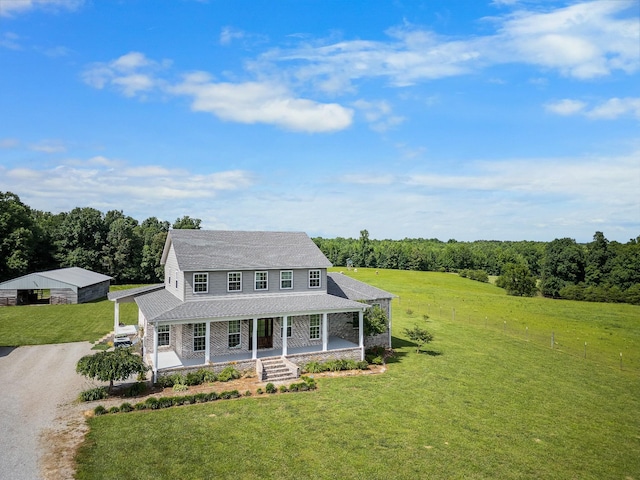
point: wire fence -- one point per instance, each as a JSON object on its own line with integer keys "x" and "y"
{"x": 562, "y": 339}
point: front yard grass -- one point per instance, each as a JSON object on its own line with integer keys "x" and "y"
{"x": 478, "y": 404}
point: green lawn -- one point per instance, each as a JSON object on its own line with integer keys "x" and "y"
{"x": 482, "y": 403}
{"x": 42, "y": 324}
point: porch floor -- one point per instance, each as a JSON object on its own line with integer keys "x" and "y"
{"x": 170, "y": 359}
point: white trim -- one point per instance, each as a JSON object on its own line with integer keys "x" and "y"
{"x": 239, "y": 333}
{"x": 319, "y": 279}
{"x": 284, "y": 337}
{"x": 265, "y": 280}
{"x": 325, "y": 332}
{"x": 168, "y": 332}
{"x": 317, "y": 327}
{"x": 254, "y": 340}
{"x": 235, "y": 281}
{"x": 205, "y": 282}
{"x": 289, "y": 280}
{"x": 204, "y": 335}
{"x": 207, "y": 343}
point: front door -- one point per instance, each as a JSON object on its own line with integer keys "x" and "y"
{"x": 265, "y": 333}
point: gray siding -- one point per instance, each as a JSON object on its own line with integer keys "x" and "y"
{"x": 218, "y": 283}
{"x": 170, "y": 269}
{"x": 93, "y": 292}
{"x": 8, "y": 297}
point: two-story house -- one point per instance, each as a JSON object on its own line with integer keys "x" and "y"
{"x": 243, "y": 297}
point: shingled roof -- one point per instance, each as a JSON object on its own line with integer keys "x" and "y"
{"x": 210, "y": 250}
{"x": 346, "y": 287}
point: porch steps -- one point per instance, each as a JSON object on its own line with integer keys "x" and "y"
{"x": 275, "y": 370}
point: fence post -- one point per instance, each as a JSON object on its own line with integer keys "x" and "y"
{"x": 504, "y": 328}
{"x": 453, "y": 314}
{"x": 485, "y": 322}
{"x": 585, "y": 349}
{"x": 552, "y": 340}
{"x": 620, "y": 360}
{"x": 527, "y": 331}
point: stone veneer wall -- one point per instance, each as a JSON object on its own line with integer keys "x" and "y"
{"x": 301, "y": 359}
{"x": 341, "y": 325}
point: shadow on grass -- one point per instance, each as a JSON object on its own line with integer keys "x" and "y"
{"x": 431, "y": 353}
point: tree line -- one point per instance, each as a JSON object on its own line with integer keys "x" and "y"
{"x": 601, "y": 270}
{"x": 118, "y": 245}
{"x": 111, "y": 243}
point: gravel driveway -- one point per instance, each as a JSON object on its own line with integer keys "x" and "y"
{"x": 37, "y": 387}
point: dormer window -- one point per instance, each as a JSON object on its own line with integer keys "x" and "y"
{"x": 234, "y": 281}
{"x": 314, "y": 279}
{"x": 200, "y": 283}
{"x": 262, "y": 281}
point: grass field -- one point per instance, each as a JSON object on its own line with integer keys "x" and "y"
{"x": 43, "y": 324}
{"x": 481, "y": 402}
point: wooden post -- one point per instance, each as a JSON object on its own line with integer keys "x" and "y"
{"x": 552, "y": 340}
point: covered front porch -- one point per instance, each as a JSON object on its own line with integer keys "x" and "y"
{"x": 169, "y": 360}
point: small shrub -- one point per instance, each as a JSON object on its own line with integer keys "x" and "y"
{"x": 99, "y": 410}
{"x": 140, "y": 406}
{"x": 293, "y": 387}
{"x": 180, "y": 387}
{"x": 230, "y": 394}
{"x": 283, "y": 389}
{"x": 259, "y": 391}
{"x": 126, "y": 407}
{"x": 270, "y": 388}
{"x": 350, "y": 365}
{"x": 189, "y": 399}
{"x": 377, "y": 361}
{"x": 212, "y": 396}
{"x": 362, "y": 365}
{"x": 164, "y": 402}
{"x": 409, "y": 311}
{"x": 229, "y": 373}
{"x": 152, "y": 403}
{"x": 114, "y": 409}
{"x": 201, "y": 398}
{"x": 314, "y": 367}
{"x": 209, "y": 376}
{"x": 247, "y": 393}
{"x": 136, "y": 389}
{"x": 98, "y": 393}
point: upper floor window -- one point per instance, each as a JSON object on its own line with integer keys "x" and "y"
{"x": 176, "y": 279}
{"x": 262, "y": 282}
{"x": 234, "y": 281}
{"x": 163, "y": 335}
{"x": 201, "y": 283}
{"x": 286, "y": 279}
{"x": 314, "y": 326}
{"x": 314, "y": 278}
{"x": 199, "y": 334}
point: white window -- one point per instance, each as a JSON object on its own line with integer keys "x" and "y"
{"x": 199, "y": 334}
{"x": 163, "y": 335}
{"x": 234, "y": 334}
{"x": 200, "y": 283}
{"x": 234, "y": 281}
{"x": 315, "y": 321}
{"x": 314, "y": 278}
{"x": 262, "y": 281}
{"x": 286, "y": 280}
{"x": 289, "y": 327}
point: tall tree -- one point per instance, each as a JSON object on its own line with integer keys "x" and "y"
{"x": 187, "y": 223}
{"x": 563, "y": 264}
{"x": 18, "y": 234}
{"x": 80, "y": 238}
{"x": 517, "y": 280}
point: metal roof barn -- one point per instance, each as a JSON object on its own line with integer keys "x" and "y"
{"x": 65, "y": 285}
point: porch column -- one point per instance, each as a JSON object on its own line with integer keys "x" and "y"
{"x": 284, "y": 335}
{"x": 325, "y": 333}
{"x": 361, "y": 333}
{"x": 207, "y": 343}
{"x": 254, "y": 340}
{"x": 389, "y": 310}
{"x": 155, "y": 353}
{"x": 116, "y": 316}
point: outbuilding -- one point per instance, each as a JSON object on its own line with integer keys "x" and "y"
{"x": 55, "y": 287}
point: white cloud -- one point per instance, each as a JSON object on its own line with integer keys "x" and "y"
{"x": 131, "y": 74}
{"x": 258, "y": 102}
{"x": 378, "y": 114}
{"x": 610, "y": 109}
{"x": 49, "y": 146}
{"x": 96, "y": 179}
{"x": 583, "y": 41}
{"x": 10, "y": 40}
{"x": 11, "y": 8}
{"x": 565, "y": 107}
{"x": 229, "y": 34}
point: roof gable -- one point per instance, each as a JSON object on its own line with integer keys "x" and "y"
{"x": 343, "y": 286}
{"x": 211, "y": 250}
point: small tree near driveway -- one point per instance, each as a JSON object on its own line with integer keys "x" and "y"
{"x": 110, "y": 366}
{"x": 418, "y": 335}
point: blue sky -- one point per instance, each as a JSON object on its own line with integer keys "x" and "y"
{"x": 503, "y": 119}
